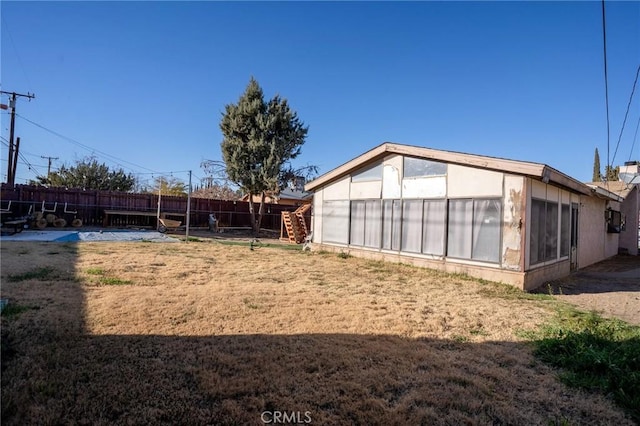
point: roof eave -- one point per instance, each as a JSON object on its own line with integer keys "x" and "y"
{"x": 535, "y": 170}
{"x": 600, "y": 192}
{"x": 550, "y": 174}
{"x": 346, "y": 167}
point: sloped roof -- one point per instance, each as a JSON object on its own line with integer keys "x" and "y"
{"x": 286, "y": 194}
{"x": 526, "y": 168}
{"x": 618, "y": 188}
{"x": 294, "y": 194}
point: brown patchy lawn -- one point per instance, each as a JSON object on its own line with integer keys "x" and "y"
{"x": 209, "y": 333}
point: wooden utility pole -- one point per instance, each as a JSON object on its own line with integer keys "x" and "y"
{"x": 13, "y": 156}
{"x": 15, "y": 159}
{"x": 49, "y": 165}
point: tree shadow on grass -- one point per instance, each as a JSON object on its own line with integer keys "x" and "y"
{"x": 54, "y": 372}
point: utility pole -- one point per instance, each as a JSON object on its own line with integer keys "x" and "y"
{"x": 11, "y": 174}
{"x": 188, "y": 209}
{"x": 15, "y": 158}
{"x": 49, "y": 166}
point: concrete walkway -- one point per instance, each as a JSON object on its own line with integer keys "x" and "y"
{"x": 631, "y": 273}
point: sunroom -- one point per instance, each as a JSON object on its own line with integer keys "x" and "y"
{"x": 502, "y": 220}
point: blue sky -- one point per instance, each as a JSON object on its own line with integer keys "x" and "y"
{"x": 142, "y": 85}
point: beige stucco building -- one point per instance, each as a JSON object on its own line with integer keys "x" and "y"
{"x": 516, "y": 222}
{"x": 630, "y": 211}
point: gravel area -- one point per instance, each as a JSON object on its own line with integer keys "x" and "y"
{"x": 610, "y": 287}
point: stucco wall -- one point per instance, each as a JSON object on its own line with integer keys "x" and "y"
{"x": 594, "y": 243}
{"x": 366, "y": 190}
{"x": 392, "y": 178}
{"x": 316, "y": 215}
{"x": 338, "y": 190}
{"x": 513, "y": 218}
{"x": 424, "y": 187}
{"x": 539, "y": 276}
{"x": 630, "y": 208}
{"x": 469, "y": 182}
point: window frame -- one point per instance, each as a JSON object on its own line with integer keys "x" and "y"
{"x": 363, "y": 240}
{"x": 391, "y": 228}
{"x": 428, "y": 163}
{"x": 370, "y": 173}
{"x": 542, "y": 226}
{"x": 469, "y": 250}
{"x": 347, "y": 210}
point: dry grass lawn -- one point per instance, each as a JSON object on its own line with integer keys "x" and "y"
{"x": 209, "y": 333}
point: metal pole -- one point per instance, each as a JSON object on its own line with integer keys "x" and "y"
{"x": 158, "y": 215}
{"x": 188, "y": 208}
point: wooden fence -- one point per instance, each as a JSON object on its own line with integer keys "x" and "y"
{"x": 90, "y": 207}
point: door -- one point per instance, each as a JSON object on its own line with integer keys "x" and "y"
{"x": 574, "y": 236}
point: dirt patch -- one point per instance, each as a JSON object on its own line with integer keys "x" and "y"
{"x": 610, "y": 287}
{"x": 215, "y": 332}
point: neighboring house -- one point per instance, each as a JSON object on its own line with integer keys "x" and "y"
{"x": 517, "y": 222}
{"x": 287, "y": 197}
{"x": 629, "y": 208}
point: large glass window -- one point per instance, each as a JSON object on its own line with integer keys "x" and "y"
{"x": 486, "y": 230}
{"x": 373, "y": 223}
{"x": 370, "y": 173}
{"x": 434, "y": 220}
{"x": 551, "y": 232}
{"x": 419, "y": 167}
{"x": 391, "y": 226}
{"x": 366, "y": 222}
{"x": 335, "y": 221}
{"x": 536, "y": 244}
{"x": 474, "y": 229}
{"x": 565, "y": 231}
{"x": 543, "y": 244}
{"x": 357, "y": 223}
{"x": 412, "y": 226}
{"x": 460, "y": 223}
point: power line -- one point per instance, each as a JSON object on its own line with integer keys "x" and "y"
{"x": 109, "y": 156}
{"x": 22, "y": 153}
{"x": 13, "y": 44}
{"x": 635, "y": 137}
{"x": 88, "y": 148}
{"x": 626, "y": 114}
{"x": 606, "y": 86}
{"x": 32, "y": 167}
{"x": 170, "y": 173}
{"x": 158, "y": 174}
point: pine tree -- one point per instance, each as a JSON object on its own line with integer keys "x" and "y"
{"x": 259, "y": 140}
{"x": 597, "y": 177}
